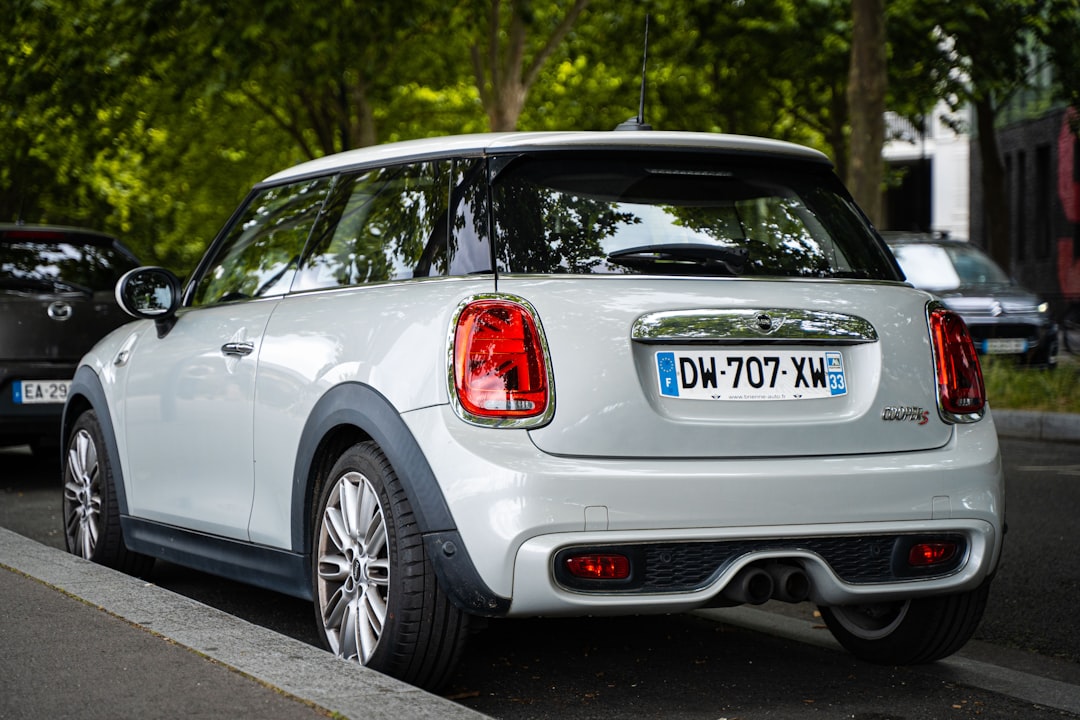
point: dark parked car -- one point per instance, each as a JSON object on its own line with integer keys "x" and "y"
{"x": 57, "y": 298}
{"x": 1004, "y": 318}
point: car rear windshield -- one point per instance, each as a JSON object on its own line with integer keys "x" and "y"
{"x": 67, "y": 262}
{"x": 678, "y": 214}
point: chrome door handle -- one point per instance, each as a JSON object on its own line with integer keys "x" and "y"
{"x": 238, "y": 349}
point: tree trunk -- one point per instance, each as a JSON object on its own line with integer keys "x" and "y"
{"x": 502, "y": 77}
{"x": 363, "y": 132}
{"x": 992, "y": 177}
{"x": 508, "y": 100}
{"x": 835, "y": 135}
{"x": 866, "y": 102}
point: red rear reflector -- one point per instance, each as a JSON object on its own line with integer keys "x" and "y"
{"x": 499, "y": 365}
{"x": 959, "y": 377}
{"x": 599, "y": 567}
{"x": 932, "y": 553}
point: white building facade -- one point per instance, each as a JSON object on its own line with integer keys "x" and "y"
{"x": 933, "y": 192}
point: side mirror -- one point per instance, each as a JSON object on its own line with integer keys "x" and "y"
{"x": 150, "y": 293}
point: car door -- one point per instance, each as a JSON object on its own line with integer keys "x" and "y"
{"x": 190, "y": 394}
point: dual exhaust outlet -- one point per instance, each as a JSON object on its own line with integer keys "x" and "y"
{"x": 756, "y": 584}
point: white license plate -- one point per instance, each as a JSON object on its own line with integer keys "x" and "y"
{"x": 1004, "y": 346}
{"x": 751, "y": 375}
{"x": 29, "y": 392}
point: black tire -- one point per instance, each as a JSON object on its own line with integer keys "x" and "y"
{"x": 1070, "y": 328}
{"x": 91, "y": 510}
{"x": 910, "y": 632}
{"x": 1047, "y": 359}
{"x": 376, "y": 597}
{"x": 46, "y": 448}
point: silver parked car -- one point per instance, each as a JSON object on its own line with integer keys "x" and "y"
{"x": 547, "y": 374}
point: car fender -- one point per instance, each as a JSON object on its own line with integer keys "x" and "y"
{"x": 361, "y": 406}
{"x": 87, "y": 393}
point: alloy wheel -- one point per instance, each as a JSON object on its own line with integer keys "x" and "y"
{"x": 82, "y": 496}
{"x": 353, "y": 568}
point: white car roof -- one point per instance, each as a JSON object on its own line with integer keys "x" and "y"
{"x": 493, "y": 143}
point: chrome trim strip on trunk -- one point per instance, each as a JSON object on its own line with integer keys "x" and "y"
{"x": 771, "y": 326}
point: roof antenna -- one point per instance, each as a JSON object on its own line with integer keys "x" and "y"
{"x": 639, "y": 123}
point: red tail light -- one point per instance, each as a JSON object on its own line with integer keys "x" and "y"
{"x": 500, "y": 368}
{"x": 961, "y": 393}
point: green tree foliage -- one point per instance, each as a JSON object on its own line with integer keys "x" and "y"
{"x": 989, "y": 47}
{"x": 100, "y": 127}
{"x": 152, "y": 119}
{"x": 510, "y": 42}
{"x": 327, "y": 74}
{"x": 1060, "y": 33}
{"x": 592, "y": 83}
{"x": 51, "y": 130}
{"x": 776, "y": 68}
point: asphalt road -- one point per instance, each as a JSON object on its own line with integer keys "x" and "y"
{"x": 689, "y": 666}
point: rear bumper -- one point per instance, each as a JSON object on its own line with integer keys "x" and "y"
{"x": 516, "y": 507}
{"x": 538, "y": 592}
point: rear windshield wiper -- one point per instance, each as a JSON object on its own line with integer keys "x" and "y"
{"x": 677, "y": 258}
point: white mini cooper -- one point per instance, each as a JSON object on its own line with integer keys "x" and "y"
{"x": 524, "y": 374}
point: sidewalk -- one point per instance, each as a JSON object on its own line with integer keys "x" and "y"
{"x": 1035, "y": 425}
{"x": 81, "y": 640}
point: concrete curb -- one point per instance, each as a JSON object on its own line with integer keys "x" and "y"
{"x": 294, "y": 667}
{"x": 1035, "y": 425}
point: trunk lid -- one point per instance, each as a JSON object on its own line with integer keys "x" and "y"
{"x": 824, "y": 367}
{"x": 58, "y": 327}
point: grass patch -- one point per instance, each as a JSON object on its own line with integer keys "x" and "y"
{"x": 1012, "y": 387}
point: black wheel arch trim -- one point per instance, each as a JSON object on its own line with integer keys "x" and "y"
{"x": 87, "y": 385}
{"x": 458, "y": 578}
{"x": 361, "y": 406}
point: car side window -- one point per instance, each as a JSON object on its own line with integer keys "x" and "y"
{"x": 470, "y": 243}
{"x": 381, "y": 224}
{"x": 260, "y": 252}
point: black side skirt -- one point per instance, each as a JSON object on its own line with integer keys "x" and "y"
{"x": 270, "y": 568}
